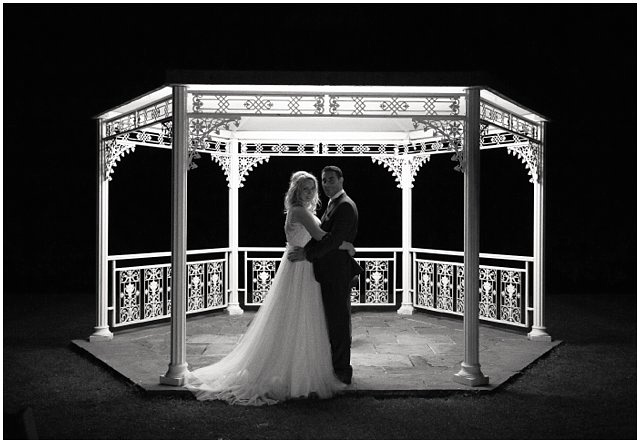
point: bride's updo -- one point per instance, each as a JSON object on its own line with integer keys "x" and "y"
{"x": 292, "y": 198}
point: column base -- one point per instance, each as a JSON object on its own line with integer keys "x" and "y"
{"x": 234, "y": 309}
{"x": 101, "y": 333}
{"x": 175, "y": 375}
{"x": 539, "y": 334}
{"x": 470, "y": 375}
{"x": 406, "y": 309}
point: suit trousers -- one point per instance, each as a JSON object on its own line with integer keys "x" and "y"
{"x": 336, "y": 297}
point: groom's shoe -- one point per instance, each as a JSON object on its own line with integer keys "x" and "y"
{"x": 344, "y": 379}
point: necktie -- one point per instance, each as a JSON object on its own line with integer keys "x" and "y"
{"x": 329, "y": 209}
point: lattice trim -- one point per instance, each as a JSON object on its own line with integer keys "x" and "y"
{"x": 392, "y": 163}
{"x": 199, "y": 130}
{"x": 114, "y": 150}
{"x": 530, "y": 156}
{"x": 246, "y": 163}
{"x": 508, "y": 121}
{"x": 452, "y": 131}
{"x": 395, "y": 164}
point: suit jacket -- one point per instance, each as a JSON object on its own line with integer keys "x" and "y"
{"x": 341, "y": 224}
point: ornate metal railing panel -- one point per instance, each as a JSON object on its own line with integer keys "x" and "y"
{"x": 503, "y": 291}
{"x": 142, "y": 293}
{"x": 376, "y": 287}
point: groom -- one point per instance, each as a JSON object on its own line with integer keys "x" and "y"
{"x": 334, "y": 268}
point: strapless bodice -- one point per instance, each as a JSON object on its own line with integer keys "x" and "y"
{"x": 296, "y": 234}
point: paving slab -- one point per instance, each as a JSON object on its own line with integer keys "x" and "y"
{"x": 391, "y": 354}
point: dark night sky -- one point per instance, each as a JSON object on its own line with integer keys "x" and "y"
{"x": 63, "y": 64}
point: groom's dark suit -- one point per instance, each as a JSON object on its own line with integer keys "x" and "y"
{"x": 334, "y": 268}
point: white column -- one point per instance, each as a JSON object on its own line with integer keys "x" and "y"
{"x": 538, "y": 330}
{"x": 470, "y": 373}
{"x": 179, "y": 163}
{"x": 405, "y": 183}
{"x": 234, "y": 185}
{"x": 101, "y": 331}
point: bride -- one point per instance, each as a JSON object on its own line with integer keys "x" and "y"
{"x": 285, "y": 352}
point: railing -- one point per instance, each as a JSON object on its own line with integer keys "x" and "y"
{"x": 376, "y": 287}
{"x": 504, "y": 290}
{"x": 140, "y": 285}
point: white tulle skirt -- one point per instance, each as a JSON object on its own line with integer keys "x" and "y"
{"x": 285, "y": 352}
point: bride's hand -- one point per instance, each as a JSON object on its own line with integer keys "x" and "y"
{"x": 348, "y": 247}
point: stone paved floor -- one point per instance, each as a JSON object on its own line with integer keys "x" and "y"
{"x": 415, "y": 354}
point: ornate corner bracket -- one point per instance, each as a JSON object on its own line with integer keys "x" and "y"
{"x": 113, "y": 152}
{"x": 452, "y": 131}
{"x": 404, "y": 168}
{"x": 246, "y": 163}
{"x": 530, "y": 154}
{"x": 199, "y": 130}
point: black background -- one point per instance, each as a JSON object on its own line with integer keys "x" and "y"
{"x": 64, "y": 64}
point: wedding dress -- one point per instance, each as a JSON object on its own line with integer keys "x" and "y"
{"x": 285, "y": 352}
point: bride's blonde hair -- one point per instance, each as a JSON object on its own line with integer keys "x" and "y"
{"x": 292, "y": 198}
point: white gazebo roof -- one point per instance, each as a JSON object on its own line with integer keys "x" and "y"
{"x": 486, "y": 93}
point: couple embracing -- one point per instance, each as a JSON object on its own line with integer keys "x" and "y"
{"x": 299, "y": 343}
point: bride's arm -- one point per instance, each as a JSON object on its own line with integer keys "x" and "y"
{"x": 310, "y": 223}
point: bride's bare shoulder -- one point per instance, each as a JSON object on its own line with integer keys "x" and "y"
{"x": 297, "y": 212}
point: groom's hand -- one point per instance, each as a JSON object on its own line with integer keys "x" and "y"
{"x": 296, "y": 254}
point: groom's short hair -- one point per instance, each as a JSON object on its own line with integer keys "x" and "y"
{"x": 335, "y": 169}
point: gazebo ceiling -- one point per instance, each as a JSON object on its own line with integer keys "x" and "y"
{"x": 377, "y": 125}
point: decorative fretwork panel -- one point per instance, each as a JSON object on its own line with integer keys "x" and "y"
{"x": 114, "y": 150}
{"x": 488, "y": 293}
{"x": 362, "y": 148}
{"x": 444, "y": 286}
{"x": 146, "y": 137}
{"x": 145, "y": 116}
{"x": 355, "y": 292}
{"x": 508, "y": 121}
{"x": 314, "y": 104}
{"x": 129, "y": 296}
{"x": 373, "y": 288}
{"x": 262, "y": 274}
{"x": 511, "y": 296}
{"x": 262, "y": 104}
{"x": 530, "y": 156}
{"x": 507, "y": 308}
{"x": 246, "y": 163}
{"x": 376, "y": 274}
{"x": 195, "y": 287}
{"x": 169, "y": 290}
{"x": 205, "y": 291}
{"x": 215, "y": 284}
{"x": 200, "y": 130}
{"x": 280, "y": 148}
{"x": 460, "y": 289}
{"x": 154, "y": 292}
{"x": 452, "y": 133}
{"x": 426, "y": 278}
{"x": 395, "y": 105}
{"x": 396, "y": 163}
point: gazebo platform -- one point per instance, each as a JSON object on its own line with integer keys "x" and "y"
{"x": 391, "y": 354}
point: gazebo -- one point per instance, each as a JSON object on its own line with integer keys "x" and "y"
{"x": 242, "y": 126}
